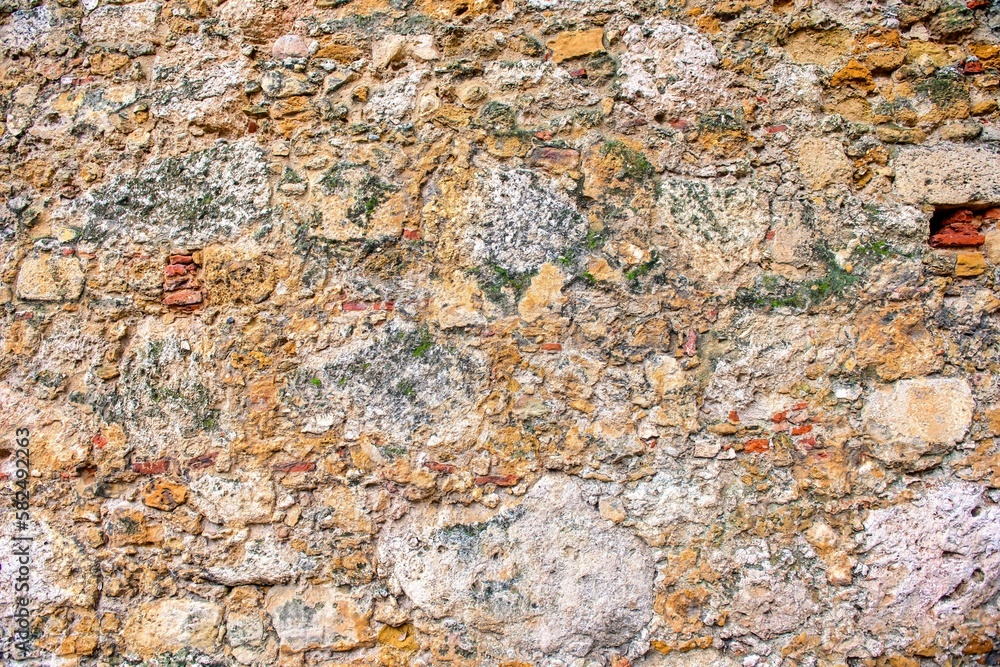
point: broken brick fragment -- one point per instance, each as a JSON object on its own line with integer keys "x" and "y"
{"x": 174, "y": 270}
{"x": 296, "y": 466}
{"x": 206, "y": 460}
{"x": 554, "y": 159}
{"x": 756, "y": 446}
{"x": 183, "y": 297}
{"x": 958, "y": 230}
{"x": 498, "y": 480}
{"x": 446, "y": 468}
{"x": 179, "y": 282}
{"x": 972, "y": 67}
{"x": 691, "y": 343}
{"x": 155, "y": 467}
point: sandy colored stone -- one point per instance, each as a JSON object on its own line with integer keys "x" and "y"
{"x": 227, "y": 500}
{"x": 991, "y": 249}
{"x": 171, "y": 624}
{"x": 855, "y": 75}
{"x": 970, "y": 264}
{"x": 599, "y": 268}
{"x": 823, "y": 163}
{"x": 50, "y": 278}
{"x": 664, "y": 373}
{"x": 952, "y": 176}
{"x": 612, "y": 509}
{"x": 165, "y": 495}
{"x": 911, "y": 418}
{"x": 387, "y": 50}
{"x": 342, "y": 53}
{"x": 237, "y": 275}
{"x": 897, "y": 342}
{"x": 544, "y": 295}
{"x": 318, "y": 616}
{"x": 819, "y": 47}
{"x": 455, "y": 304}
{"x": 576, "y": 43}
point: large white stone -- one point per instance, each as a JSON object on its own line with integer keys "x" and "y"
{"x": 115, "y": 25}
{"x": 171, "y": 624}
{"x": 226, "y": 500}
{"x": 550, "y": 572}
{"x": 318, "y": 617}
{"x": 710, "y": 228}
{"x": 929, "y": 560}
{"x": 910, "y": 418}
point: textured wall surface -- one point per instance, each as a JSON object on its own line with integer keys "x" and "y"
{"x": 513, "y": 333}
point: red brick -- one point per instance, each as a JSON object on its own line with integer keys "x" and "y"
{"x": 991, "y": 214}
{"x": 802, "y": 430}
{"x": 499, "y": 480}
{"x": 384, "y": 305}
{"x": 552, "y": 347}
{"x": 977, "y": 4}
{"x": 554, "y": 158}
{"x": 733, "y": 417}
{"x": 957, "y": 236}
{"x": 774, "y": 129}
{"x": 809, "y": 442}
{"x": 181, "y": 259}
{"x": 446, "y": 468}
{"x": 779, "y": 417}
{"x": 152, "y": 467}
{"x": 297, "y": 466}
{"x": 184, "y": 297}
{"x": 99, "y": 440}
{"x": 691, "y": 343}
{"x": 756, "y": 446}
{"x": 206, "y": 460}
{"x": 179, "y": 282}
{"x": 411, "y": 234}
{"x": 178, "y": 270}
{"x": 578, "y": 73}
{"x": 679, "y": 124}
{"x": 972, "y": 66}
{"x": 544, "y": 135}
{"x": 354, "y": 306}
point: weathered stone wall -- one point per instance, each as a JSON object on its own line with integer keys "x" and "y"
{"x": 502, "y": 332}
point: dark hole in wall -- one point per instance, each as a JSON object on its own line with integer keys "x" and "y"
{"x": 961, "y": 227}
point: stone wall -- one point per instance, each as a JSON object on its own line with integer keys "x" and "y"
{"x": 511, "y": 333}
